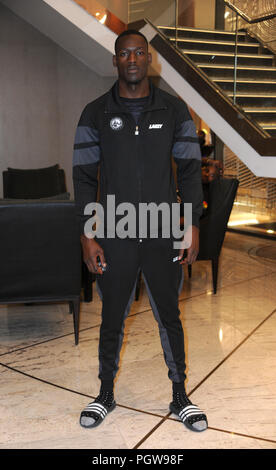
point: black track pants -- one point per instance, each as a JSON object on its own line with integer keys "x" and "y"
{"x": 163, "y": 278}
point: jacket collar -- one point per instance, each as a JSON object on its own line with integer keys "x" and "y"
{"x": 114, "y": 103}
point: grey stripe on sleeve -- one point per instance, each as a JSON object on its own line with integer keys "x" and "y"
{"x": 187, "y": 129}
{"x": 85, "y": 156}
{"x": 186, "y": 142}
{"x": 186, "y": 150}
{"x": 86, "y": 134}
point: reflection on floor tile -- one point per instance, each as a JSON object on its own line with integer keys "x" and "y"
{"x": 40, "y": 416}
{"x": 236, "y": 387}
{"x": 240, "y": 394}
{"x": 174, "y": 435}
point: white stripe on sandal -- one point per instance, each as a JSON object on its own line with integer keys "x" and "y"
{"x": 98, "y": 408}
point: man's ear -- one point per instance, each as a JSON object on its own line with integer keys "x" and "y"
{"x": 114, "y": 59}
{"x": 149, "y": 58}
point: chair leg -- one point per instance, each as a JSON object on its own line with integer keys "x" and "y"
{"x": 190, "y": 270}
{"x": 76, "y": 318}
{"x": 138, "y": 285}
{"x": 215, "y": 274}
{"x": 71, "y": 307}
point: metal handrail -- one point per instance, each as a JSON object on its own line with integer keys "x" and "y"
{"x": 259, "y": 19}
{"x": 238, "y": 12}
{"x": 249, "y": 20}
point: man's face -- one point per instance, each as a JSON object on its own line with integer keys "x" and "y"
{"x": 132, "y": 59}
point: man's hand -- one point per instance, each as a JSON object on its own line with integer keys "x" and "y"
{"x": 91, "y": 250}
{"x": 192, "y": 239}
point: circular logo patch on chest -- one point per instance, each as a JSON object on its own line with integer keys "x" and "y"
{"x": 116, "y": 124}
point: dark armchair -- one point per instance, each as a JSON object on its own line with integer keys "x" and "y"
{"x": 33, "y": 183}
{"x": 213, "y": 225}
{"x": 38, "y": 183}
{"x": 221, "y": 196}
{"x": 40, "y": 254}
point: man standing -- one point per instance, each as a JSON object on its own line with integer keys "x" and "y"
{"x": 129, "y": 135}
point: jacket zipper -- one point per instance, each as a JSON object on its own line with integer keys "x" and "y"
{"x": 139, "y": 172}
{"x": 137, "y": 132}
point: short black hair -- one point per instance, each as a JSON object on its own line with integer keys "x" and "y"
{"x": 129, "y": 32}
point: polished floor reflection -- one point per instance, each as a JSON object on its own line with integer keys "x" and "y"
{"x": 231, "y": 356}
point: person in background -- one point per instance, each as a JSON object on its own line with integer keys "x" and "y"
{"x": 206, "y": 150}
{"x": 211, "y": 170}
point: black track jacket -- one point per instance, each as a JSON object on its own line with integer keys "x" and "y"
{"x": 135, "y": 162}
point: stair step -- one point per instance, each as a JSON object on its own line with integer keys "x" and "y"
{"x": 264, "y": 119}
{"x": 229, "y": 54}
{"x": 252, "y": 95}
{"x": 254, "y": 87}
{"x": 218, "y": 46}
{"x": 213, "y": 41}
{"x": 246, "y": 101}
{"x": 243, "y": 71}
{"x": 183, "y": 31}
{"x": 272, "y": 132}
{"x": 228, "y": 58}
{"x": 267, "y": 127}
{"x": 240, "y": 80}
{"x": 264, "y": 116}
{"x": 259, "y": 110}
{"x": 239, "y": 67}
{"x": 271, "y": 129}
{"x": 202, "y": 30}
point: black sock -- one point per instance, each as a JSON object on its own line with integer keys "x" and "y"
{"x": 106, "y": 398}
{"x": 180, "y": 398}
{"x": 107, "y": 386}
{"x": 178, "y": 387}
{"x": 106, "y": 395}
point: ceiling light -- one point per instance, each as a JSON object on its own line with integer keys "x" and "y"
{"x": 103, "y": 19}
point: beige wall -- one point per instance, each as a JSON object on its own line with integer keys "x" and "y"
{"x": 205, "y": 14}
{"x": 118, "y": 7}
{"x": 160, "y": 12}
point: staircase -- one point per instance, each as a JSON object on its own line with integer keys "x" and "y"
{"x": 214, "y": 53}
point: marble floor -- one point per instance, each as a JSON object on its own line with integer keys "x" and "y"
{"x": 231, "y": 356}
